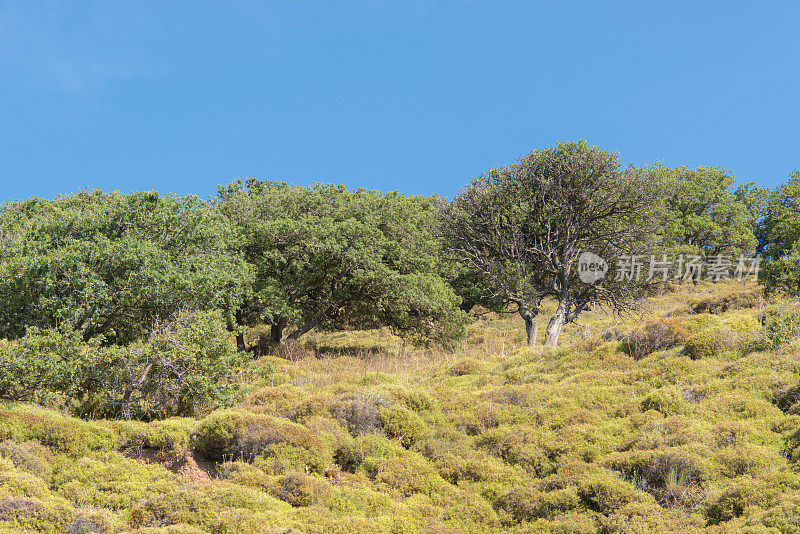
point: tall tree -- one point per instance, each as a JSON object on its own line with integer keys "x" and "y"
{"x": 705, "y": 216}
{"x": 779, "y": 238}
{"x": 323, "y": 256}
{"x": 522, "y": 228}
{"x": 111, "y": 264}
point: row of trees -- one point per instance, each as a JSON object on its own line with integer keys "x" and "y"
{"x": 111, "y": 265}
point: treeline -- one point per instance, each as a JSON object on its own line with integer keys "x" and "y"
{"x": 122, "y": 273}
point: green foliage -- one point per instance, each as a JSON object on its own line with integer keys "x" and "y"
{"x": 324, "y": 256}
{"x": 47, "y": 367}
{"x": 275, "y": 445}
{"x": 519, "y": 229}
{"x": 110, "y": 264}
{"x": 781, "y": 325}
{"x": 185, "y": 368}
{"x": 704, "y": 216}
{"x": 402, "y": 424}
{"x": 779, "y": 239}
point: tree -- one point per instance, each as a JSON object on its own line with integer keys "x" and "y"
{"x": 779, "y": 230}
{"x": 111, "y": 264}
{"x": 325, "y": 257}
{"x": 779, "y": 238}
{"x": 704, "y": 216}
{"x": 522, "y": 227}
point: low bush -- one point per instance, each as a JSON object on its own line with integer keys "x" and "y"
{"x": 781, "y": 325}
{"x": 604, "y": 493}
{"x": 407, "y": 475}
{"x": 359, "y": 413}
{"x": 299, "y": 489}
{"x": 526, "y": 503}
{"x": 402, "y": 424}
{"x": 231, "y": 435}
{"x": 734, "y": 300}
{"x": 655, "y": 336}
{"x": 672, "y": 478}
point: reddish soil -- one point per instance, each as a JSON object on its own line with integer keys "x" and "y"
{"x": 192, "y": 467}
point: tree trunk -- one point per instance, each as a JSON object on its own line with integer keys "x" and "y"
{"x": 555, "y": 325}
{"x": 276, "y": 331}
{"x": 240, "y": 346}
{"x": 531, "y": 327}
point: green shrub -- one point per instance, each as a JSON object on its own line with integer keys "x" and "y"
{"x": 668, "y": 401}
{"x": 781, "y": 325}
{"x": 231, "y": 435}
{"x": 73, "y": 436}
{"x": 604, "y": 493}
{"x": 365, "y": 452}
{"x": 407, "y": 475}
{"x": 711, "y": 343}
{"x": 402, "y": 424}
{"x": 673, "y": 478}
{"x": 526, "y": 503}
{"x": 29, "y": 456}
{"x": 734, "y": 499}
{"x": 734, "y": 300}
{"x": 298, "y": 489}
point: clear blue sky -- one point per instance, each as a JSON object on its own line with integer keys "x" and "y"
{"x": 418, "y": 96}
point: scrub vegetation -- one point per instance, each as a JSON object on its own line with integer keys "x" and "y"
{"x": 282, "y": 359}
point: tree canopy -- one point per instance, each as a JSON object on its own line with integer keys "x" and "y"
{"x": 522, "y": 227}
{"x": 779, "y": 238}
{"x": 323, "y": 256}
{"x": 704, "y": 215}
{"x": 111, "y": 264}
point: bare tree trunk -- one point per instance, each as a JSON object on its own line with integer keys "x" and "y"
{"x": 555, "y": 325}
{"x": 240, "y": 346}
{"x": 276, "y": 331}
{"x": 531, "y": 326}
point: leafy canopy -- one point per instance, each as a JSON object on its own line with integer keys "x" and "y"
{"x": 323, "y": 256}
{"x": 111, "y": 264}
{"x": 704, "y": 215}
{"x": 521, "y": 228}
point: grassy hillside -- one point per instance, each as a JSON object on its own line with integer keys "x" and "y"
{"x": 683, "y": 418}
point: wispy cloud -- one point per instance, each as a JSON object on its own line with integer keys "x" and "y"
{"x": 76, "y": 50}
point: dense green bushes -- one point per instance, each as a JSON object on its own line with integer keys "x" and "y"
{"x": 184, "y": 368}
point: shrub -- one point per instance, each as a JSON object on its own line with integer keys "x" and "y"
{"x": 407, "y": 475}
{"x": 359, "y": 413}
{"x": 231, "y": 435}
{"x": 672, "y": 478}
{"x": 668, "y": 401}
{"x": 51, "y": 429}
{"x": 711, "y": 343}
{"x": 734, "y": 499}
{"x": 402, "y": 424}
{"x": 526, "y": 503}
{"x": 365, "y": 452}
{"x": 30, "y": 456}
{"x": 44, "y": 366}
{"x": 734, "y": 300}
{"x": 781, "y": 325}
{"x": 298, "y": 489}
{"x": 656, "y": 336}
{"x": 185, "y": 369}
{"x": 602, "y": 492}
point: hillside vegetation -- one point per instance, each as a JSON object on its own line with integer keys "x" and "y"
{"x": 682, "y": 418}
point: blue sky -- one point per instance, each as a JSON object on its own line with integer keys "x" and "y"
{"x": 416, "y": 96}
